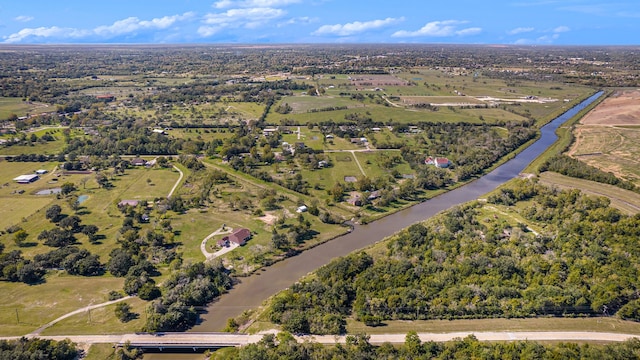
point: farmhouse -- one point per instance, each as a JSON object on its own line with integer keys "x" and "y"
{"x": 355, "y": 200}
{"x": 159, "y": 131}
{"x": 437, "y": 162}
{"x": 269, "y": 131}
{"x": 238, "y": 237}
{"x": 128, "y": 203}
{"x": 442, "y": 162}
{"x": 302, "y": 209}
{"x": 41, "y": 172}
{"x": 138, "y": 162}
{"x": 26, "y": 179}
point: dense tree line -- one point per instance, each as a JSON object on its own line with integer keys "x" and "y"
{"x": 462, "y": 264}
{"x": 569, "y": 166}
{"x": 285, "y": 346}
{"x": 192, "y": 285}
{"x": 38, "y": 349}
{"x": 471, "y": 148}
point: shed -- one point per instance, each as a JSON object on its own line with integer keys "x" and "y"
{"x": 26, "y": 179}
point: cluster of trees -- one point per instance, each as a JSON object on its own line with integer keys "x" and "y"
{"x": 463, "y": 264}
{"x": 38, "y": 349}
{"x": 14, "y": 267}
{"x": 471, "y": 148}
{"x": 569, "y": 166}
{"x": 190, "y": 286}
{"x": 285, "y": 346}
{"x": 72, "y": 259}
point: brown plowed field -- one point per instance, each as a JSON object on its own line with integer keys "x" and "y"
{"x": 621, "y": 108}
{"x": 608, "y": 137}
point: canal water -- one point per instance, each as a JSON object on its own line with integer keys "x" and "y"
{"x": 253, "y": 290}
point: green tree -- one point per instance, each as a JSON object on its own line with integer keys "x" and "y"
{"x": 67, "y": 188}
{"x": 19, "y": 237}
{"x": 123, "y": 312}
{"x": 53, "y": 213}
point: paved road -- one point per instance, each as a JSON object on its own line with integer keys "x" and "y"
{"x": 228, "y": 339}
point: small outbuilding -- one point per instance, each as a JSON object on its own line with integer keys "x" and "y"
{"x": 124, "y": 203}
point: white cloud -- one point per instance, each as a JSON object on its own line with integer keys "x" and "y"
{"x": 23, "y": 18}
{"x": 439, "y": 29}
{"x": 234, "y": 16}
{"x": 469, "y": 31}
{"x": 120, "y": 27}
{"x": 46, "y": 32}
{"x": 355, "y": 27}
{"x": 520, "y": 30}
{"x": 305, "y": 20}
{"x": 225, "y": 4}
{"x": 561, "y": 29}
{"x": 133, "y": 24}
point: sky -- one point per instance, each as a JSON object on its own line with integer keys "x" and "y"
{"x": 527, "y": 22}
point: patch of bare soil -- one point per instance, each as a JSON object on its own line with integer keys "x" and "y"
{"x": 622, "y": 108}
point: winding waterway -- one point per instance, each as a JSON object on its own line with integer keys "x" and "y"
{"x": 253, "y": 290}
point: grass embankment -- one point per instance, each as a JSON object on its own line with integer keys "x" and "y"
{"x": 612, "y": 325}
{"x": 624, "y": 200}
{"x": 565, "y": 137}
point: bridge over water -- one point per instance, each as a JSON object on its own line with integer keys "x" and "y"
{"x": 201, "y": 341}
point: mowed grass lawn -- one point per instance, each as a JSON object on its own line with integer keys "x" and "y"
{"x": 37, "y": 305}
{"x": 47, "y": 147}
{"x": 12, "y": 105}
{"x": 101, "y": 321}
{"x": 17, "y": 206}
{"x": 384, "y": 114}
{"x": 146, "y": 184}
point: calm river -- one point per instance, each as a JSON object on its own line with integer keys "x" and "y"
{"x": 253, "y": 290}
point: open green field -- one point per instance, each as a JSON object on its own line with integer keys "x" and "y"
{"x": 302, "y": 104}
{"x": 99, "y": 208}
{"x": 382, "y": 113}
{"x": 37, "y": 305}
{"x": 11, "y": 105}
{"x": 62, "y": 293}
{"x": 435, "y": 100}
{"x": 101, "y": 321}
{"x": 15, "y": 209}
{"x": 624, "y": 200}
{"x": 41, "y": 147}
{"x": 148, "y": 184}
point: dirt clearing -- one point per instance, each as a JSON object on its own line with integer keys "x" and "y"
{"x": 621, "y": 108}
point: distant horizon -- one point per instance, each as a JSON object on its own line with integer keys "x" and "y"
{"x": 466, "y": 22}
{"x": 265, "y": 45}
